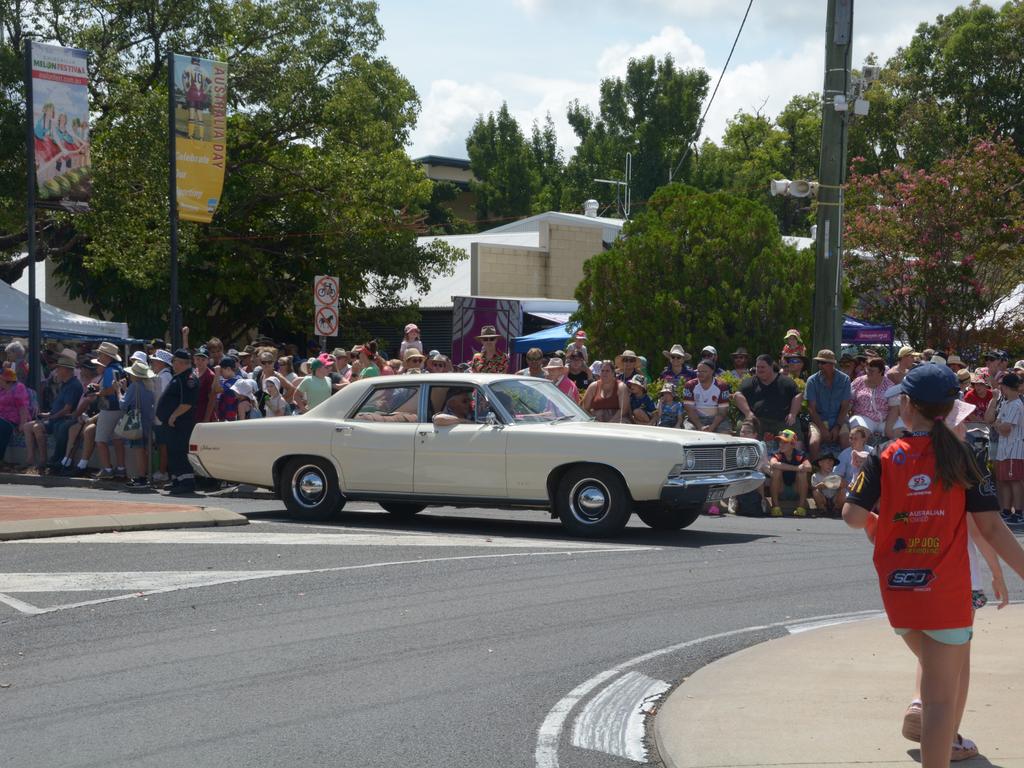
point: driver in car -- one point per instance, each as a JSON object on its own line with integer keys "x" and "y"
{"x": 458, "y": 409}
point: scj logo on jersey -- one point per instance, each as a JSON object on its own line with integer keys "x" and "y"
{"x": 919, "y": 483}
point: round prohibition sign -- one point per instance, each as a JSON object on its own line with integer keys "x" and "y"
{"x": 325, "y": 292}
{"x": 326, "y": 321}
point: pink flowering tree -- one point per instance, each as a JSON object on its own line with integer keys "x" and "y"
{"x": 935, "y": 252}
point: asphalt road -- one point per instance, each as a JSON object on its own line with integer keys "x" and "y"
{"x": 456, "y": 639}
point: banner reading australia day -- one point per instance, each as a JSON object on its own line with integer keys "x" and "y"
{"x": 60, "y": 122}
{"x": 200, "y": 135}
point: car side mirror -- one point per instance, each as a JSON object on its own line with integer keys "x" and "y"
{"x": 492, "y": 421}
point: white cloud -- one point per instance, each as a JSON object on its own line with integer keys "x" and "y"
{"x": 449, "y": 110}
{"x": 613, "y": 60}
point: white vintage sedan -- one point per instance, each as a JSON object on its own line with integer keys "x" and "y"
{"x": 407, "y": 442}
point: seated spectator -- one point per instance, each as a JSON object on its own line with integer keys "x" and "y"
{"x": 706, "y": 400}
{"x": 669, "y": 412}
{"x": 790, "y": 471}
{"x": 83, "y": 428}
{"x": 793, "y": 345}
{"x": 410, "y": 340}
{"x": 607, "y": 398}
{"x": 870, "y": 407}
{"x": 14, "y": 358}
{"x": 828, "y": 404}
{"x": 904, "y": 362}
{"x": 394, "y": 366}
{"x": 534, "y": 364}
{"x": 827, "y": 500}
{"x": 770, "y": 397}
{"x": 578, "y": 345}
{"x": 627, "y": 365}
{"x": 556, "y": 373}
{"x": 847, "y": 364}
{"x": 740, "y": 363}
{"x": 14, "y": 404}
{"x": 677, "y": 372}
{"x": 795, "y": 367}
{"x": 579, "y": 373}
{"x": 641, "y": 407}
{"x": 711, "y": 353}
{"x": 58, "y": 420}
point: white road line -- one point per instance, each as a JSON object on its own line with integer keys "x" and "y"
{"x": 613, "y": 721}
{"x": 807, "y": 626}
{"x": 120, "y": 581}
{"x": 31, "y": 609}
{"x": 550, "y": 732}
{"x": 344, "y": 538}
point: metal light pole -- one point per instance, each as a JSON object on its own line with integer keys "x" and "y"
{"x": 828, "y": 304}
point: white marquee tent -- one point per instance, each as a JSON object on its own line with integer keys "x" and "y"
{"x": 56, "y": 323}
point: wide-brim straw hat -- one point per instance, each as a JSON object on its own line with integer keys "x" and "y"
{"x": 140, "y": 370}
{"x": 488, "y": 332}
{"x": 107, "y": 348}
{"x": 67, "y": 359}
{"x": 825, "y": 356}
{"x": 626, "y": 353}
{"x": 954, "y": 360}
{"x": 677, "y": 349}
{"x": 555, "y": 363}
{"x": 413, "y": 354}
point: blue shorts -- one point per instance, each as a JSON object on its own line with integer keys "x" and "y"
{"x": 960, "y": 636}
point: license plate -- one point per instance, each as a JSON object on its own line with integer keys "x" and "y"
{"x": 716, "y": 494}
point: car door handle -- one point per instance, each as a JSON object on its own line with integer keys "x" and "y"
{"x": 426, "y": 432}
{"x": 343, "y": 429}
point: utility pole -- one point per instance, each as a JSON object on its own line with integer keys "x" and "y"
{"x": 828, "y": 303}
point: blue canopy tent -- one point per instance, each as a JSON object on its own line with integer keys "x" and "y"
{"x": 857, "y": 332}
{"x": 548, "y": 340}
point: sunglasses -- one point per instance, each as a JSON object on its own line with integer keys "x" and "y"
{"x": 629, "y": 359}
{"x": 674, "y": 357}
{"x": 534, "y": 359}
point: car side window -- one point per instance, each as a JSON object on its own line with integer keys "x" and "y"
{"x": 398, "y": 404}
{"x": 459, "y": 400}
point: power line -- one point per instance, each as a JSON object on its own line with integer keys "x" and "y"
{"x": 700, "y": 123}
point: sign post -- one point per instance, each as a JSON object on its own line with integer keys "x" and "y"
{"x": 34, "y": 321}
{"x": 325, "y": 307}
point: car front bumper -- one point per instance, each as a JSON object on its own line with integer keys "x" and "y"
{"x": 688, "y": 491}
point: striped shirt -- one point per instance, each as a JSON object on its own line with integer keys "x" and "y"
{"x": 1011, "y": 446}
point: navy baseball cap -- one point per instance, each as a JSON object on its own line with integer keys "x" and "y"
{"x": 927, "y": 383}
{"x": 183, "y": 354}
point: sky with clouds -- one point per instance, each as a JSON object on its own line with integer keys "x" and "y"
{"x": 466, "y": 56}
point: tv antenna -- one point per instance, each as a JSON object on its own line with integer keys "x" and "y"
{"x": 623, "y": 196}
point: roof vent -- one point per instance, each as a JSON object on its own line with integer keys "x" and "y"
{"x": 590, "y": 208}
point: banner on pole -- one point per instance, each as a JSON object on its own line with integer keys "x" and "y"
{"x": 200, "y": 135}
{"x": 60, "y": 123}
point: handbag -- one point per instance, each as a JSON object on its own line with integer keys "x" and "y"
{"x": 129, "y": 426}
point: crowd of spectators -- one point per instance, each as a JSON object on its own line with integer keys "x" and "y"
{"x": 817, "y": 428}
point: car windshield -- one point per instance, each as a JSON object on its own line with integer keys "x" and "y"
{"x": 536, "y": 400}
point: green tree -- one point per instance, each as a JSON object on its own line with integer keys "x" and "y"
{"x": 550, "y": 166}
{"x": 318, "y": 180}
{"x": 653, "y": 112}
{"x": 504, "y": 168}
{"x": 695, "y": 268}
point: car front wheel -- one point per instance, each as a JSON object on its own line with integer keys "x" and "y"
{"x": 309, "y": 489}
{"x": 592, "y": 501}
{"x": 662, "y": 518}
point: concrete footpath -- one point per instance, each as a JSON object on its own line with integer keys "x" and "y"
{"x": 26, "y": 517}
{"x": 836, "y": 697}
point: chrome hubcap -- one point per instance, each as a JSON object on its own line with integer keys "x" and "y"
{"x": 308, "y": 486}
{"x": 589, "y": 500}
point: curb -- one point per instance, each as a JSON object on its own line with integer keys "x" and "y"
{"x": 199, "y": 517}
{"x": 56, "y": 481}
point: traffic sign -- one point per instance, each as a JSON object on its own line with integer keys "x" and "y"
{"x": 326, "y": 321}
{"x": 325, "y": 291}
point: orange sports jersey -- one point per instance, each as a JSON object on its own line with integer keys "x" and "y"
{"x": 921, "y": 543}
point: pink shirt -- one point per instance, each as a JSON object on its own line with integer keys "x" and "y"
{"x": 12, "y": 401}
{"x": 868, "y": 402}
{"x": 568, "y": 387}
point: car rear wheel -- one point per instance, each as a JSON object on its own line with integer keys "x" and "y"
{"x": 592, "y": 501}
{"x": 309, "y": 489}
{"x": 662, "y": 518}
{"x": 402, "y": 508}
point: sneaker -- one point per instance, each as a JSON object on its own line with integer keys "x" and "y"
{"x": 120, "y": 473}
{"x": 799, "y": 512}
{"x": 1006, "y": 515}
{"x": 137, "y": 482}
{"x": 776, "y": 512}
{"x": 182, "y": 489}
{"x": 104, "y": 474}
{"x": 160, "y": 477}
{"x": 1017, "y": 518}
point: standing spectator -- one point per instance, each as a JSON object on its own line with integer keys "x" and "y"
{"x": 793, "y": 345}
{"x": 677, "y": 372}
{"x": 534, "y": 364}
{"x": 740, "y": 363}
{"x": 489, "y": 359}
{"x": 995, "y": 365}
{"x": 556, "y": 373}
{"x": 315, "y": 388}
{"x": 963, "y": 376}
{"x": 627, "y": 365}
{"x": 955, "y": 364}
{"x": 706, "y": 400}
{"x": 578, "y": 345}
{"x": 413, "y": 362}
{"x": 641, "y": 407}
{"x": 773, "y": 399}
{"x": 340, "y": 376}
{"x": 244, "y": 369}
{"x": 139, "y": 396}
{"x": 226, "y": 403}
{"x": 870, "y": 407}
{"x": 367, "y": 356}
{"x": 828, "y": 404}
{"x": 13, "y": 407}
{"x": 979, "y": 395}
{"x": 286, "y": 369}
{"x": 267, "y": 360}
{"x": 215, "y": 348}
{"x": 852, "y": 458}
{"x": 410, "y": 340}
{"x": 110, "y": 412}
{"x": 276, "y": 405}
{"x": 790, "y": 471}
{"x": 245, "y": 391}
{"x": 927, "y": 354}
{"x": 607, "y": 399}
{"x": 175, "y": 410}
{"x": 206, "y": 378}
{"x": 160, "y": 362}
{"x": 579, "y": 373}
{"x": 904, "y": 362}
{"x": 669, "y": 412}
{"x": 1009, "y": 456}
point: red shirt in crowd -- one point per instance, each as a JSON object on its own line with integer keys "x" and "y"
{"x": 979, "y": 402}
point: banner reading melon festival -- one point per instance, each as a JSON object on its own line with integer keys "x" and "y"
{"x": 200, "y": 135}
{"x": 60, "y": 127}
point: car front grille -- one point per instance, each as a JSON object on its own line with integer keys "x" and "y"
{"x": 715, "y": 459}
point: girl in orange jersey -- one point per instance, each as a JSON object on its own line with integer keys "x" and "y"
{"x": 924, "y": 484}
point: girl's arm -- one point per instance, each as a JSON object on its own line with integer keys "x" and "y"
{"x": 623, "y": 403}
{"x": 1005, "y": 544}
{"x": 992, "y": 560}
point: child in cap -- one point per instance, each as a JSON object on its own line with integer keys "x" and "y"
{"x": 790, "y": 470}
{"x": 577, "y": 344}
{"x": 794, "y": 345}
{"x": 979, "y": 395}
{"x": 669, "y": 412}
{"x": 826, "y": 487}
{"x": 640, "y": 403}
{"x": 410, "y": 340}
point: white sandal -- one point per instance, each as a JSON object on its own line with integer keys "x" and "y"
{"x": 912, "y": 721}
{"x": 963, "y": 749}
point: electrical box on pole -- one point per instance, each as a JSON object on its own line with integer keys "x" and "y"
{"x": 828, "y": 302}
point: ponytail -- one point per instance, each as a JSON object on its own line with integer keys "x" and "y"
{"x": 954, "y": 462}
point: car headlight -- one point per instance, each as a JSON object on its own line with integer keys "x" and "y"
{"x": 689, "y": 460}
{"x": 747, "y": 456}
